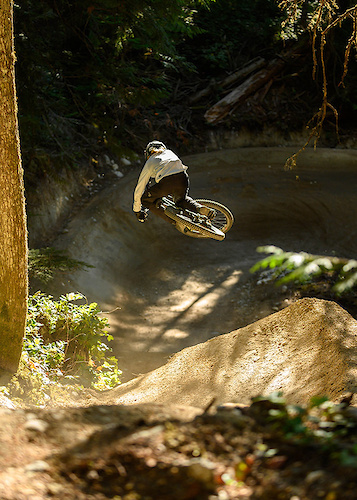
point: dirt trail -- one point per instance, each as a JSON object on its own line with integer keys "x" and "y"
{"x": 173, "y": 292}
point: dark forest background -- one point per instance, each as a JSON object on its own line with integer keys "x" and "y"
{"x": 108, "y": 76}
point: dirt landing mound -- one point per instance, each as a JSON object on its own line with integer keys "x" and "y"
{"x": 305, "y": 350}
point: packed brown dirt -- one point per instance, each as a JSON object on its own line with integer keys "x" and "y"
{"x": 163, "y": 292}
{"x": 308, "y": 349}
{"x": 186, "y": 429}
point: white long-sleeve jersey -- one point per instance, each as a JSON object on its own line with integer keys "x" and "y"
{"x": 157, "y": 166}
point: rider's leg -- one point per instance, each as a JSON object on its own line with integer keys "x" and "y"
{"x": 151, "y": 197}
{"x": 179, "y": 192}
{"x": 176, "y": 185}
{"x": 182, "y": 199}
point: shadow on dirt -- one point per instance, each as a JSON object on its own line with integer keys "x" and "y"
{"x": 167, "y": 291}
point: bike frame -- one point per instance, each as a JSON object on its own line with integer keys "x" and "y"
{"x": 190, "y": 223}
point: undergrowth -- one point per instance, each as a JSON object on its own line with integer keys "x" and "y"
{"x": 329, "y": 426}
{"x": 66, "y": 343}
{"x": 301, "y": 267}
{"x": 43, "y": 263}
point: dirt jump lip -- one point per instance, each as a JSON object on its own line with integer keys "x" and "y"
{"x": 172, "y": 291}
{"x": 286, "y": 351}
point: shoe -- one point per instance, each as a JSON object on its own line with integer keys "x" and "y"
{"x": 208, "y": 212}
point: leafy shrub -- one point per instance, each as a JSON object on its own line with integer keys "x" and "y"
{"x": 64, "y": 343}
{"x": 301, "y": 267}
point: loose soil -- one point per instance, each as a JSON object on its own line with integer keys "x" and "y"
{"x": 168, "y": 293}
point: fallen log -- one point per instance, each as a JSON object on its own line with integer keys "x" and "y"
{"x": 226, "y": 105}
{"x": 232, "y": 100}
{"x": 243, "y": 72}
{"x": 240, "y": 74}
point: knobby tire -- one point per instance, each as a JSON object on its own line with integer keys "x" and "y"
{"x": 224, "y": 218}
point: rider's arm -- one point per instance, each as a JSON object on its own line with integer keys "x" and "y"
{"x": 141, "y": 185}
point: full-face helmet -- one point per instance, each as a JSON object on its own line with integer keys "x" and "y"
{"x": 153, "y": 147}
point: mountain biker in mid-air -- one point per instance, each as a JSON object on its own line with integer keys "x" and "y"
{"x": 163, "y": 174}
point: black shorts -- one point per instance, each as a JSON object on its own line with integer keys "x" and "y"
{"x": 177, "y": 185}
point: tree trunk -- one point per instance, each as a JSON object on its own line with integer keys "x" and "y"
{"x": 13, "y": 232}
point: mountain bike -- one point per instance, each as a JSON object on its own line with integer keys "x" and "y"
{"x": 197, "y": 225}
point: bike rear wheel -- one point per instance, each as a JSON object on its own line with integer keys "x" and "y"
{"x": 223, "y": 220}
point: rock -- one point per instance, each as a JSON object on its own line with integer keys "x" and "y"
{"x": 5, "y": 402}
{"x": 314, "y": 476}
{"x": 36, "y": 425}
{"x": 37, "y": 466}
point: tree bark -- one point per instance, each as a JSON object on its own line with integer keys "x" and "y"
{"x": 13, "y": 232}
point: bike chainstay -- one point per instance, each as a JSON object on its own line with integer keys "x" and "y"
{"x": 190, "y": 223}
{"x": 186, "y": 213}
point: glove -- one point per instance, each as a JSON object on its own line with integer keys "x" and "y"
{"x": 141, "y": 216}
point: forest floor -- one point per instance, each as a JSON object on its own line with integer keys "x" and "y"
{"x": 157, "y": 452}
{"x": 175, "y": 293}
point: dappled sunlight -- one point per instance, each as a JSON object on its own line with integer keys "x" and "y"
{"x": 282, "y": 379}
{"x": 210, "y": 299}
{"x": 299, "y": 351}
{"x": 201, "y": 295}
{"x": 181, "y": 315}
{"x": 205, "y": 299}
{"x": 175, "y": 333}
{"x": 166, "y": 320}
{"x": 164, "y": 291}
